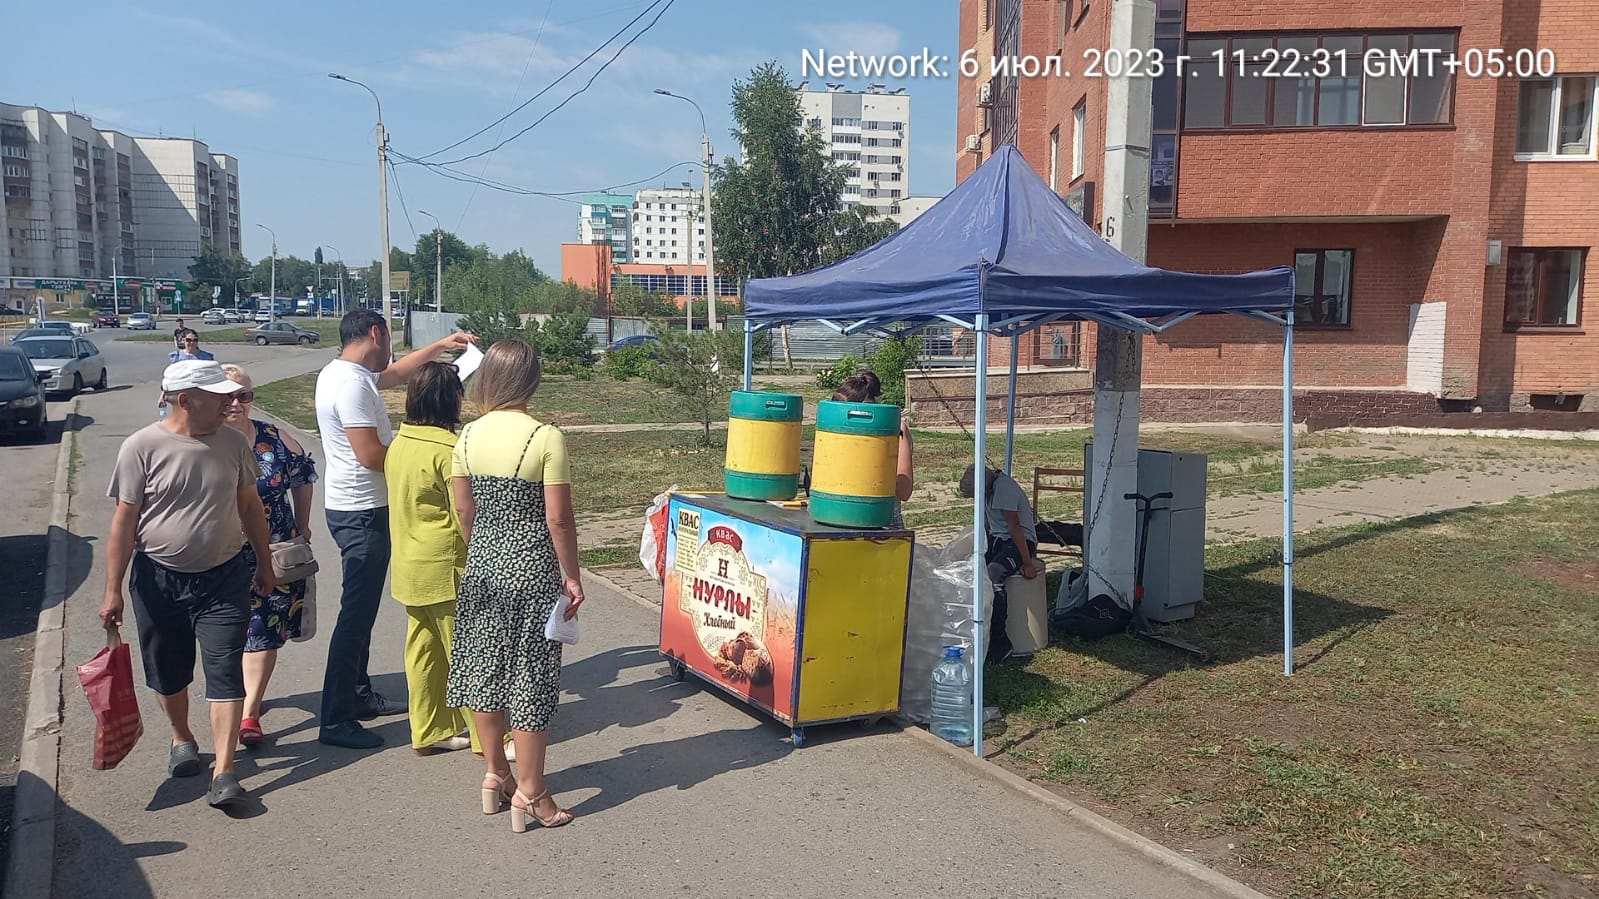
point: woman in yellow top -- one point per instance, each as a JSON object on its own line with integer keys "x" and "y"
{"x": 428, "y": 552}
{"x": 513, "y": 490}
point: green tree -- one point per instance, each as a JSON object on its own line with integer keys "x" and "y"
{"x": 424, "y": 262}
{"x": 219, "y": 269}
{"x": 293, "y": 277}
{"x": 703, "y": 368}
{"x": 780, "y": 209}
{"x": 630, "y": 299}
{"x": 494, "y": 293}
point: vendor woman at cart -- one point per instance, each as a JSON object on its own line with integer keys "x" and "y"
{"x": 866, "y": 388}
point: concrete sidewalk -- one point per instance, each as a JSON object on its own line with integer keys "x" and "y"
{"x": 678, "y": 791}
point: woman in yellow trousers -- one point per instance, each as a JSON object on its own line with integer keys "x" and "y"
{"x": 428, "y": 553}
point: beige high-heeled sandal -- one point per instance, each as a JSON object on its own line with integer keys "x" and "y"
{"x": 520, "y": 813}
{"x": 497, "y": 791}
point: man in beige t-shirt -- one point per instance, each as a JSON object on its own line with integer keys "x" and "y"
{"x": 186, "y": 498}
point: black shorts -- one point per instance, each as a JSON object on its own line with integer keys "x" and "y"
{"x": 175, "y": 609}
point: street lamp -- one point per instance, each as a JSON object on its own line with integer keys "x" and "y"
{"x": 383, "y": 196}
{"x": 338, "y": 292}
{"x": 438, "y": 261}
{"x": 272, "y": 289}
{"x": 236, "y": 291}
{"x": 710, "y": 258}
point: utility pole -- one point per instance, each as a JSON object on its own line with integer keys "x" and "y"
{"x": 1118, "y": 356}
{"x": 338, "y": 286}
{"x": 383, "y": 203}
{"x": 116, "y": 297}
{"x": 438, "y": 261}
{"x": 272, "y": 288}
{"x": 710, "y": 257}
{"x": 688, "y": 301}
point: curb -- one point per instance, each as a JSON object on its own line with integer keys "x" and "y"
{"x": 33, "y": 816}
{"x": 1028, "y": 790}
{"x": 1094, "y": 821}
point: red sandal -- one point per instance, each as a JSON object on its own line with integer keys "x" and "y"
{"x": 250, "y": 732}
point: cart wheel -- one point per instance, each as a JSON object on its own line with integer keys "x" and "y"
{"x": 869, "y": 723}
{"x": 798, "y": 736}
{"x": 679, "y": 671}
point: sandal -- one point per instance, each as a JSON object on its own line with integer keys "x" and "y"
{"x": 497, "y": 791}
{"x": 521, "y": 812}
{"x": 250, "y": 732}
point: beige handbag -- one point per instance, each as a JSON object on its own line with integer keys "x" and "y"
{"x": 292, "y": 560}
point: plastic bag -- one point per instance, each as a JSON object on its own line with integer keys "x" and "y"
{"x": 652, "y": 546}
{"x": 108, "y": 683}
{"x": 939, "y": 614}
{"x": 560, "y": 628}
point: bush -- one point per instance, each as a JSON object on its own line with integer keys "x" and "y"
{"x": 628, "y": 362}
{"x": 833, "y": 378}
{"x": 564, "y": 342}
{"x": 889, "y": 362}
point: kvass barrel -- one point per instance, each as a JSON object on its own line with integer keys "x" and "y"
{"x": 856, "y": 464}
{"x": 763, "y": 445}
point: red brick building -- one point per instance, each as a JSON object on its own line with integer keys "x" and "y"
{"x": 1441, "y": 221}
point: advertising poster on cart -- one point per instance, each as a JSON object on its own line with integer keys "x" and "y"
{"x": 730, "y": 604}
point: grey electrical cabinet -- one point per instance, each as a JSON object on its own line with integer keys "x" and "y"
{"x": 1174, "y": 560}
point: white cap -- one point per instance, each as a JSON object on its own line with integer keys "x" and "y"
{"x": 192, "y": 374}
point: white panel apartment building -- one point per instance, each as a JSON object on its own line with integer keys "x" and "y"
{"x": 669, "y": 224}
{"x": 80, "y": 201}
{"x": 871, "y": 130}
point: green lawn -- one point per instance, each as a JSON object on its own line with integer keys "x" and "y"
{"x": 1441, "y": 737}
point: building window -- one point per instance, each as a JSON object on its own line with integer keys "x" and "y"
{"x": 1555, "y": 119}
{"x": 1079, "y": 140}
{"x": 1322, "y": 280}
{"x": 1310, "y": 81}
{"x": 1543, "y": 287}
{"x": 1054, "y": 159}
{"x": 1063, "y": 22}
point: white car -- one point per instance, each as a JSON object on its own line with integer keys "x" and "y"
{"x": 213, "y": 316}
{"x": 232, "y": 316}
{"x": 141, "y": 321}
{"x": 65, "y": 364}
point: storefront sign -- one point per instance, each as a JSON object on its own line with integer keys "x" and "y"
{"x": 58, "y": 284}
{"x": 732, "y": 590}
{"x": 5, "y": 283}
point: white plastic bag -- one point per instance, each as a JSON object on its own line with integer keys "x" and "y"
{"x": 939, "y": 615}
{"x": 560, "y": 628}
{"x": 652, "y": 545}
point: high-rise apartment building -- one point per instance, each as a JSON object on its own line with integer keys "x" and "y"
{"x": 870, "y": 130}
{"x": 1439, "y": 217}
{"x": 669, "y": 226}
{"x": 608, "y": 218}
{"x": 81, "y": 203}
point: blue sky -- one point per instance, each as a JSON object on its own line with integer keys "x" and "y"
{"x": 253, "y": 82}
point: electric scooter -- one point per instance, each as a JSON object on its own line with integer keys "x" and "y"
{"x": 1140, "y": 626}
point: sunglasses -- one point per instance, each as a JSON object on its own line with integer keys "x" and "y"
{"x": 191, "y": 340}
{"x": 243, "y": 397}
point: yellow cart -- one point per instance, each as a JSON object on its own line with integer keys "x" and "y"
{"x": 803, "y": 621}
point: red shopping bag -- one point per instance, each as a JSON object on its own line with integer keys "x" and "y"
{"x": 108, "y": 682}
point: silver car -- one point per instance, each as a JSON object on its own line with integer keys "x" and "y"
{"x": 141, "y": 321}
{"x": 281, "y": 332}
{"x": 65, "y": 364}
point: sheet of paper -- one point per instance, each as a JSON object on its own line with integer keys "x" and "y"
{"x": 468, "y": 362}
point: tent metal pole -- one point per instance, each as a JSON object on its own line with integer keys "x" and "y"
{"x": 1010, "y": 407}
{"x": 1288, "y": 494}
{"x": 749, "y": 353}
{"x": 979, "y": 535}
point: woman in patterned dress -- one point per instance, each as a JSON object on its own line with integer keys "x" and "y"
{"x": 287, "y": 473}
{"x": 513, "y": 493}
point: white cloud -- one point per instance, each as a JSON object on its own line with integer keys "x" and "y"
{"x": 867, "y": 38}
{"x": 242, "y": 102}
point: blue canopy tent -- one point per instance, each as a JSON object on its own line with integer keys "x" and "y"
{"x": 1001, "y": 255}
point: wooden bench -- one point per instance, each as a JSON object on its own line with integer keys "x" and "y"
{"x": 1057, "y": 480}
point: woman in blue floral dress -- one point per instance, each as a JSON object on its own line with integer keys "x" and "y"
{"x": 287, "y": 473}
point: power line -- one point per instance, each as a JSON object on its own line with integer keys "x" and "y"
{"x": 396, "y": 178}
{"x": 586, "y": 85}
{"x": 521, "y": 79}
{"x": 566, "y": 195}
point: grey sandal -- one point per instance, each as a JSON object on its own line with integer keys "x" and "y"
{"x": 184, "y": 760}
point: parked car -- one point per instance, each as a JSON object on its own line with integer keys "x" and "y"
{"x": 281, "y": 332}
{"x": 213, "y": 316}
{"x": 141, "y": 321}
{"x": 635, "y": 340}
{"x": 35, "y": 332}
{"x": 22, "y": 401}
{"x": 232, "y": 316}
{"x": 105, "y": 319}
{"x": 66, "y": 364}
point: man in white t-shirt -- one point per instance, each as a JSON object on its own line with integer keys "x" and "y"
{"x": 356, "y": 432}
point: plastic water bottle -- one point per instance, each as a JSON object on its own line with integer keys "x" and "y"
{"x": 952, "y": 698}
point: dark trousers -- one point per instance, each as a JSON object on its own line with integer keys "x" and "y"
{"x": 1004, "y": 560}
{"x": 363, "y": 539}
